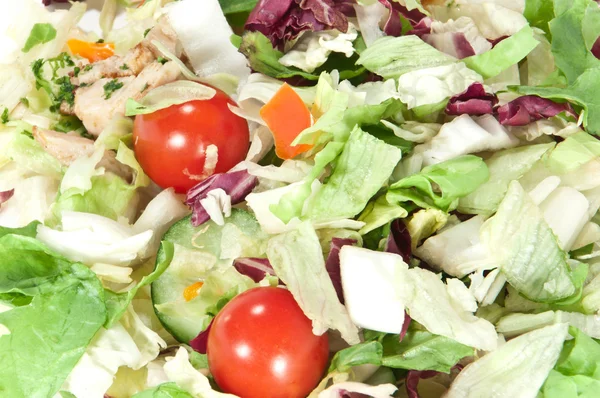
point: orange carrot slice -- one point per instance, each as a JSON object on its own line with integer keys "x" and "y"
{"x": 192, "y": 291}
{"x": 286, "y": 116}
{"x": 92, "y": 51}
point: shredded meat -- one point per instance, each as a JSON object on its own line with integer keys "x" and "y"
{"x": 66, "y": 148}
{"x": 95, "y": 110}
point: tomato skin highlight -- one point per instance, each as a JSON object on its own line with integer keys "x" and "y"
{"x": 261, "y": 345}
{"x": 171, "y": 144}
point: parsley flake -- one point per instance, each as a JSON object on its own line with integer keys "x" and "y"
{"x": 111, "y": 87}
{"x": 4, "y": 117}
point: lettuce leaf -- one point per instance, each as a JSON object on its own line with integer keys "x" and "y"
{"x": 516, "y": 369}
{"x": 421, "y": 350}
{"x": 504, "y": 167}
{"x": 569, "y": 45}
{"x": 452, "y": 180}
{"x": 576, "y": 373}
{"x": 391, "y": 57}
{"x": 363, "y": 167}
{"x": 505, "y": 54}
{"x": 527, "y": 249}
{"x": 298, "y": 260}
{"x": 582, "y": 92}
{"x": 47, "y": 337}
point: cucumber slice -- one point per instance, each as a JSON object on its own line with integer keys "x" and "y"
{"x": 195, "y": 248}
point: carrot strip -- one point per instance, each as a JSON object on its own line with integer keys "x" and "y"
{"x": 286, "y": 116}
{"x": 92, "y": 51}
{"x": 192, "y": 291}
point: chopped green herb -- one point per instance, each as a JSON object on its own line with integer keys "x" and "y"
{"x": 4, "y": 116}
{"x": 146, "y": 32}
{"x": 124, "y": 67}
{"x": 40, "y": 33}
{"x": 62, "y": 60}
{"x": 65, "y": 91}
{"x": 37, "y": 67}
{"x": 111, "y": 87}
{"x": 27, "y": 133}
{"x": 88, "y": 68}
{"x": 162, "y": 60}
{"x": 85, "y": 134}
{"x": 84, "y": 84}
{"x": 67, "y": 124}
{"x": 25, "y": 101}
{"x": 100, "y": 41}
{"x": 76, "y": 71}
{"x": 144, "y": 88}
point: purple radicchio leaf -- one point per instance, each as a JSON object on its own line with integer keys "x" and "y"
{"x": 473, "y": 101}
{"x": 399, "y": 240}
{"x": 414, "y": 376}
{"x": 405, "y": 325}
{"x": 254, "y": 268}
{"x": 6, "y": 195}
{"x": 451, "y": 43}
{"x": 237, "y": 185}
{"x": 596, "y": 48}
{"x": 352, "y": 394}
{"x": 412, "y": 380}
{"x": 529, "y": 108}
{"x": 283, "y": 20}
{"x": 421, "y": 28}
{"x": 333, "y": 264}
{"x": 393, "y": 26}
{"x": 497, "y": 40}
{"x": 200, "y": 342}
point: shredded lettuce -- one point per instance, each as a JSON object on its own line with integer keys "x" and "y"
{"x": 516, "y": 369}
{"x": 452, "y": 179}
{"x": 297, "y": 259}
{"x": 507, "y": 53}
{"x": 48, "y": 336}
{"x": 392, "y": 57}
{"x": 527, "y": 249}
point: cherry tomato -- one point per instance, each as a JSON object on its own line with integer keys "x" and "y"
{"x": 261, "y": 345}
{"x": 172, "y": 144}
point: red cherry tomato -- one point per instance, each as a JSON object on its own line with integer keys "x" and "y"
{"x": 171, "y": 144}
{"x": 261, "y": 345}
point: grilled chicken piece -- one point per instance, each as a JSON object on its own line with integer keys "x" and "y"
{"x": 95, "y": 110}
{"x": 116, "y": 66}
{"x": 132, "y": 63}
{"x": 66, "y": 148}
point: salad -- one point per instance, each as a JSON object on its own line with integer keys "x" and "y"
{"x": 300, "y": 198}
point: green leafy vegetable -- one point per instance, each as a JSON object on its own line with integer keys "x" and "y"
{"x": 4, "y": 117}
{"x": 442, "y": 184}
{"x": 40, "y": 33}
{"x": 111, "y": 87}
{"x": 369, "y": 352}
{"x": 582, "y": 92}
{"x": 235, "y": 6}
{"x": 577, "y": 372}
{"x": 505, "y": 54}
{"x": 422, "y": 350}
{"x": 117, "y": 303}
{"x": 571, "y": 50}
{"x": 539, "y": 13}
{"x": 391, "y": 57}
{"x": 527, "y": 250}
{"x": 504, "y": 167}
{"x": 365, "y": 165}
{"x": 165, "y": 390}
{"x": 47, "y": 337}
{"x": 264, "y": 58}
